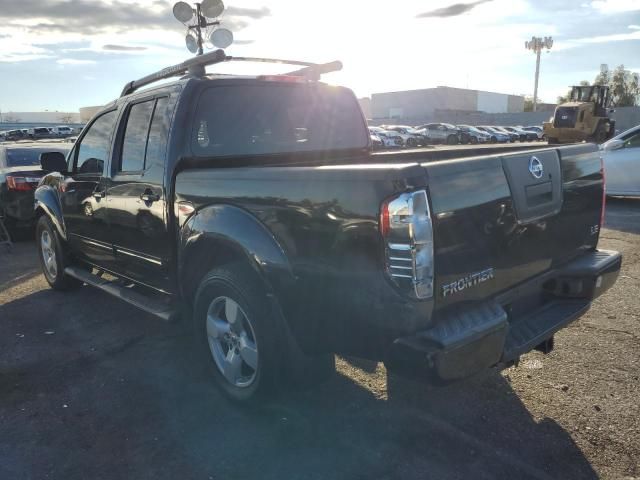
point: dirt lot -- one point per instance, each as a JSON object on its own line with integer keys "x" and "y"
{"x": 92, "y": 388}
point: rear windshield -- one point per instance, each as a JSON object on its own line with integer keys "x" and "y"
{"x": 25, "y": 157}
{"x": 272, "y": 118}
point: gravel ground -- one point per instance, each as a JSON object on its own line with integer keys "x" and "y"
{"x": 93, "y": 388}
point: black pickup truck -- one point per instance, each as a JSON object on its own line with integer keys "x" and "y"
{"x": 254, "y": 206}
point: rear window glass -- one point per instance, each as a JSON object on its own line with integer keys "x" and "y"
{"x": 25, "y": 157}
{"x": 266, "y": 119}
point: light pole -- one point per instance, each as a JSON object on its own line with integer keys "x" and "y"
{"x": 536, "y": 44}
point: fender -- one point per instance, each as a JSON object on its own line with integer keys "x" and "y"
{"x": 47, "y": 199}
{"x": 218, "y": 232}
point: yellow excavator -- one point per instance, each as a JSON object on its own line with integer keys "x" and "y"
{"x": 585, "y": 117}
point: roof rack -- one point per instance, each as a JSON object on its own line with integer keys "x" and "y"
{"x": 196, "y": 67}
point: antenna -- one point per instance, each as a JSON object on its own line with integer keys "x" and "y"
{"x": 201, "y": 17}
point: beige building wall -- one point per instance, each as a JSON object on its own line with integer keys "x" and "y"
{"x": 87, "y": 113}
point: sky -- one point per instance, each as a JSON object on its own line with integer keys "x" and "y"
{"x": 60, "y": 55}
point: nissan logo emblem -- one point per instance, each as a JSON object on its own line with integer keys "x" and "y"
{"x": 535, "y": 167}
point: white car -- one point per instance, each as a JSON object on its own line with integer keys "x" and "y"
{"x": 412, "y": 137}
{"x": 621, "y": 156}
{"x": 535, "y": 129}
{"x": 389, "y": 139}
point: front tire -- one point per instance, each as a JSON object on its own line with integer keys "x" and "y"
{"x": 53, "y": 258}
{"x": 237, "y": 333}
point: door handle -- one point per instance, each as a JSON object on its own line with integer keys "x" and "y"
{"x": 99, "y": 194}
{"x": 149, "y": 197}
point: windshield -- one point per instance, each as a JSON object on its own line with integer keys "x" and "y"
{"x": 276, "y": 118}
{"x": 27, "y": 157}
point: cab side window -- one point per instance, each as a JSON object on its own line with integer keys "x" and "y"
{"x": 94, "y": 147}
{"x": 145, "y": 137}
{"x": 135, "y": 137}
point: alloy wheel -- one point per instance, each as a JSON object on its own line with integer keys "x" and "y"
{"x": 232, "y": 341}
{"x": 48, "y": 254}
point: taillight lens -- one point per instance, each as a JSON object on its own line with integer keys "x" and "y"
{"x": 405, "y": 224}
{"x": 20, "y": 184}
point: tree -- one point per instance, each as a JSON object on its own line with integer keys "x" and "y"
{"x": 66, "y": 118}
{"x": 624, "y": 86}
{"x": 528, "y": 103}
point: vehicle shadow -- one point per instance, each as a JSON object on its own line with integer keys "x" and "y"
{"x": 13, "y": 267}
{"x": 623, "y": 214}
{"x": 114, "y": 393}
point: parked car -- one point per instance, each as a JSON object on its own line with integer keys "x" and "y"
{"x": 621, "y": 156}
{"x": 390, "y": 139}
{"x": 376, "y": 142}
{"x": 12, "y": 135}
{"x": 255, "y": 210}
{"x": 20, "y": 173}
{"x": 62, "y": 131}
{"x": 474, "y": 135}
{"x": 411, "y": 136}
{"x": 537, "y": 130}
{"x": 523, "y": 135}
{"x": 513, "y": 137}
{"x": 40, "y": 132}
{"x": 496, "y": 135}
{"x": 441, "y": 133}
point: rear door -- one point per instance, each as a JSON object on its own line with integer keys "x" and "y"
{"x": 136, "y": 197}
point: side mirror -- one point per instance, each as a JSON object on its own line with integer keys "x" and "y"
{"x": 613, "y": 145}
{"x": 53, "y": 162}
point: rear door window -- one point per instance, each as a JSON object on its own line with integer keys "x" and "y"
{"x": 135, "y": 137}
{"x": 271, "y": 118}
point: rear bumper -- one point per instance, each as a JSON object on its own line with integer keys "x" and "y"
{"x": 474, "y": 337}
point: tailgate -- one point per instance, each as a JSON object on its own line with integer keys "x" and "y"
{"x": 501, "y": 220}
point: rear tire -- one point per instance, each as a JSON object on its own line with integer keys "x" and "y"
{"x": 474, "y": 140}
{"x": 53, "y": 257}
{"x": 238, "y": 335}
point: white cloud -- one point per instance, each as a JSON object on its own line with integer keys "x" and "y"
{"x": 615, "y": 6}
{"x": 634, "y": 27}
{"x": 74, "y": 61}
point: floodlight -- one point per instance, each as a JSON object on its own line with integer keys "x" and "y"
{"x": 183, "y": 12}
{"x": 221, "y": 37}
{"x": 192, "y": 43}
{"x": 212, "y": 8}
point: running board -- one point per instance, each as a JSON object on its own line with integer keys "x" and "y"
{"x": 143, "y": 302}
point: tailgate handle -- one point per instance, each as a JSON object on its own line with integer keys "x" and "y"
{"x": 539, "y": 194}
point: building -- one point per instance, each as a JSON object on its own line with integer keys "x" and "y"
{"x": 365, "y": 105}
{"x": 420, "y": 104}
{"x": 40, "y": 117}
{"x": 87, "y": 113}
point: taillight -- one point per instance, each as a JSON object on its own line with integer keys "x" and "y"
{"x": 405, "y": 224}
{"x": 604, "y": 191}
{"x": 20, "y": 184}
